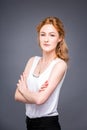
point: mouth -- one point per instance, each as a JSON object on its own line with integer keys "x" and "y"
{"x": 46, "y": 45}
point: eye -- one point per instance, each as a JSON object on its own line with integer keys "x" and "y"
{"x": 42, "y": 34}
{"x": 52, "y": 35}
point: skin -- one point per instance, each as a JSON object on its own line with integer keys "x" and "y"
{"x": 48, "y": 38}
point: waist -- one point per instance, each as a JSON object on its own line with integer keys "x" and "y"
{"x": 34, "y": 111}
{"x": 43, "y": 121}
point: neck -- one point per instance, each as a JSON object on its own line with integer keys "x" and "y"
{"x": 48, "y": 57}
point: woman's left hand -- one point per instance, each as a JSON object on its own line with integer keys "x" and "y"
{"x": 22, "y": 86}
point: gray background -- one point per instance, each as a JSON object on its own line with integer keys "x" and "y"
{"x": 18, "y": 42}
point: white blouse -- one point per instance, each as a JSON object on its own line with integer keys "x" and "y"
{"x": 50, "y": 107}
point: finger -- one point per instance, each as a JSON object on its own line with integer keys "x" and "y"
{"x": 41, "y": 90}
{"x": 46, "y": 81}
{"x": 18, "y": 85}
{"x": 19, "y": 81}
{"x": 25, "y": 78}
{"x": 22, "y": 80}
{"x": 21, "y": 77}
{"x": 45, "y": 85}
{"x": 24, "y": 75}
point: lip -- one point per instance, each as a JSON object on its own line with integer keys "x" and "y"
{"x": 45, "y": 44}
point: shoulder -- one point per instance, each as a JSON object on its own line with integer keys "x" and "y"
{"x": 60, "y": 65}
{"x": 29, "y": 64}
{"x": 58, "y": 71}
{"x": 31, "y": 60}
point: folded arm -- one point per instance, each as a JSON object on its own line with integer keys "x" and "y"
{"x": 41, "y": 96}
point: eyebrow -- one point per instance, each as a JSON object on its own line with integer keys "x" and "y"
{"x": 49, "y": 32}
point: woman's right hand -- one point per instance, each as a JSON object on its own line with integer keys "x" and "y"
{"x": 44, "y": 86}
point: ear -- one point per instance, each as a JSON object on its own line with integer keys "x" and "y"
{"x": 60, "y": 39}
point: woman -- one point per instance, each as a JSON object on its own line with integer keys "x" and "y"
{"x": 39, "y": 85}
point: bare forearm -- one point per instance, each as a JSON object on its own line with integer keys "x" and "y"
{"x": 19, "y": 97}
{"x": 38, "y": 97}
{"x": 30, "y": 97}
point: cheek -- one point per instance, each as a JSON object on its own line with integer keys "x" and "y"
{"x": 55, "y": 42}
{"x": 41, "y": 39}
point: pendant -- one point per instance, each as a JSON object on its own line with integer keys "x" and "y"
{"x": 36, "y": 76}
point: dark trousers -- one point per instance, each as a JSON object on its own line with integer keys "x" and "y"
{"x": 43, "y": 123}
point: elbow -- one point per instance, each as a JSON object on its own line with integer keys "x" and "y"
{"x": 39, "y": 102}
{"x": 15, "y": 97}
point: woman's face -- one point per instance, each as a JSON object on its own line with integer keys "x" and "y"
{"x": 49, "y": 38}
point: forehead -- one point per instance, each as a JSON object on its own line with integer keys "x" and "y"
{"x": 48, "y": 28}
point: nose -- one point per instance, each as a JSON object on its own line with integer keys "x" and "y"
{"x": 46, "y": 39}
